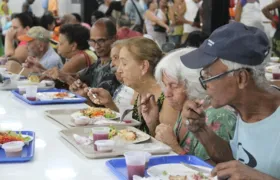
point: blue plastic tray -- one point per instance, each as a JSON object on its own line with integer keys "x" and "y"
{"x": 7, "y": 78}
{"x": 79, "y": 99}
{"x": 27, "y": 152}
{"x": 118, "y": 166}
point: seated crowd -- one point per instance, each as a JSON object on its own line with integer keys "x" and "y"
{"x": 209, "y": 98}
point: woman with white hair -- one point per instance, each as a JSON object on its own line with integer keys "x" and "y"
{"x": 179, "y": 84}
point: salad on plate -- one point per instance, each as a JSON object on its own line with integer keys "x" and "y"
{"x": 10, "y": 136}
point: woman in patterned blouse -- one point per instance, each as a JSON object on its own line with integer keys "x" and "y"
{"x": 138, "y": 58}
{"x": 179, "y": 84}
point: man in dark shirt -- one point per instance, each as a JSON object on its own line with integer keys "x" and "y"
{"x": 117, "y": 6}
{"x": 215, "y": 13}
{"x": 26, "y": 6}
{"x": 99, "y": 75}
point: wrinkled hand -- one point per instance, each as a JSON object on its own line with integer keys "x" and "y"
{"x": 235, "y": 170}
{"x": 193, "y": 114}
{"x": 11, "y": 34}
{"x": 79, "y": 87}
{"x": 33, "y": 65}
{"x": 164, "y": 133}
{"x": 149, "y": 109}
{"x": 99, "y": 96}
{"x": 52, "y": 73}
{"x": 55, "y": 73}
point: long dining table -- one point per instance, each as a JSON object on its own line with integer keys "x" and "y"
{"x": 54, "y": 158}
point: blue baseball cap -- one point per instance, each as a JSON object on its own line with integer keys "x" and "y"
{"x": 234, "y": 42}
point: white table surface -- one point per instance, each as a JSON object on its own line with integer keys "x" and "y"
{"x": 54, "y": 159}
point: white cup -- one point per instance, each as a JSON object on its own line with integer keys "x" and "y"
{"x": 31, "y": 92}
{"x": 135, "y": 163}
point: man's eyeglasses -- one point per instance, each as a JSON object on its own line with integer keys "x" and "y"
{"x": 203, "y": 81}
{"x": 100, "y": 42}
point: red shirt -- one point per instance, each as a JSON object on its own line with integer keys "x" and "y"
{"x": 125, "y": 33}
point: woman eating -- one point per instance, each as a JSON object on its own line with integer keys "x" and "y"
{"x": 179, "y": 84}
{"x": 123, "y": 95}
{"x": 138, "y": 59}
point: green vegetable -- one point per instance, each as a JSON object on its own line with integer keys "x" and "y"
{"x": 110, "y": 115}
{"x": 19, "y": 135}
{"x": 113, "y": 132}
{"x": 164, "y": 173}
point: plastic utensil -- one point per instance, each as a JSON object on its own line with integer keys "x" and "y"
{"x": 127, "y": 111}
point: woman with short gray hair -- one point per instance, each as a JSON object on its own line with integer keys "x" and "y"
{"x": 179, "y": 84}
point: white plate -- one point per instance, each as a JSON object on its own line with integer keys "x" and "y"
{"x": 141, "y": 137}
{"x": 78, "y": 115}
{"x": 274, "y": 59}
{"x": 25, "y": 142}
{"x": 163, "y": 171}
{"x": 44, "y": 96}
{"x": 269, "y": 69}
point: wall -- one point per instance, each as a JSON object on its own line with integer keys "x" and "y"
{"x": 65, "y": 7}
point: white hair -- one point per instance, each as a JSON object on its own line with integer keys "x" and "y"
{"x": 172, "y": 66}
{"x": 258, "y": 72}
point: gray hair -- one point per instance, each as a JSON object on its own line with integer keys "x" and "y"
{"x": 172, "y": 66}
{"x": 258, "y": 72}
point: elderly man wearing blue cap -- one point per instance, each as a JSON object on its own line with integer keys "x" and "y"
{"x": 232, "y": 62}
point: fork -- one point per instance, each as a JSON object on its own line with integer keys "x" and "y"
{"x": 204, "y": 102}
{"x": 127, "y": 111}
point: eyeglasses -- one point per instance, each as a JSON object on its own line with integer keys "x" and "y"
{"x": 100, "y": 42}
{"x": 204, "y": 81}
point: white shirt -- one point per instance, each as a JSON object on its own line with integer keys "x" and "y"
{"x": 103, "y": 8}
{"x": 252, "y": 15}
{"x": 51, "y": 59}
{"x": 190, "y": 15}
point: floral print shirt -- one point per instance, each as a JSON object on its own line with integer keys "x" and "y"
{"x": 135, "y": 115}
{"x": 222, "y": 122}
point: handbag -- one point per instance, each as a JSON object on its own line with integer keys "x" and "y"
{"x": 158, "y": 28}
{"x": 138, "y": 27}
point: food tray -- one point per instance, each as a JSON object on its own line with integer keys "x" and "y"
{"x": 153, "y": 146}
{"x": 63, "y": 116}
{"x": 27, "y": 152}
{"x": 13, "y": 86}
{"x": 79, "y": 99}
{"x": 118, "y": 166}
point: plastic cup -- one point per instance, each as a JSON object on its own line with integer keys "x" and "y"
{"x": 276, "y": 73}
{"x": 100, "y": 133}
{"x": 31, "y": 92}
{"x": 22, "y": 89}
{"x": 135, "y": 163}
{"x": 13, "y": 149}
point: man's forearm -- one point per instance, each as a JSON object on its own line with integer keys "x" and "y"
{"x": 218, "y": 149}
{"x": 112, "y": 106}
{"x": 267, "y": 14}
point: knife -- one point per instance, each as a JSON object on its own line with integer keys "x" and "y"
{"x": 195, "y": 168}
